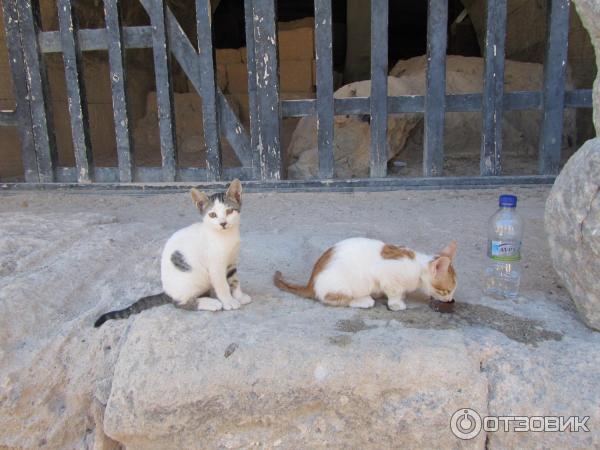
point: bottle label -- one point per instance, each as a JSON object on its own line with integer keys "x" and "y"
{"x": 505, "y": 251}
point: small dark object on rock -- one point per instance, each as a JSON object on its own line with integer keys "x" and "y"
{"x": 442, "y": 307}
{"x": 230, "y": 349}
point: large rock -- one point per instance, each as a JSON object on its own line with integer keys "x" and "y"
{"x": 462, "y": 132}
{"x": 282, "y": 372}
{"x": 573, "y": 226}
{"x": 352, "y": 135}
{"x": 305, "y": 379}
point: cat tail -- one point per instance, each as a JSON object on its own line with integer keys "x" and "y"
{"x": 141, "y": 305}
{"x": 302, "y": 291}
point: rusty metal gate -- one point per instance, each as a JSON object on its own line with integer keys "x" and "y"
{"x": 259, "y": 149}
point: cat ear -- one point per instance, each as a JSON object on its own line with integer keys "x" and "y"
{"x": 200, "y": 199}
{"x": 235, "y": 191}
{"x": 440, "y": 265}
{"x": 449, "y": 250}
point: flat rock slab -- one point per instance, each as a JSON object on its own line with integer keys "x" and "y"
{"x": 282, "y": 372}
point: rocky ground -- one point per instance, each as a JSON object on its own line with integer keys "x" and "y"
{"x": 282, "y": 372}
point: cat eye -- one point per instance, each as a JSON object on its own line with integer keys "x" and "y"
{"x": 229, "y": 211}
{"x": 213, "y": 215}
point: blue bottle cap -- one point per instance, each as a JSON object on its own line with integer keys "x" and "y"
{"x": 509, "y": 201}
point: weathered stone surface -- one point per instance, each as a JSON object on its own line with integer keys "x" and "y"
{"x": 573, "y": 227}
{"x": 282, "y": 372}
{"x": 462, "y": 131}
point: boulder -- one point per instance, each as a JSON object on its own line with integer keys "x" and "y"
{"x": 462, "y": 136}
{"x": 352, "y": 135}
{"x": 573, "y": 227}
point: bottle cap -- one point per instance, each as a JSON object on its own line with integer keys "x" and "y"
{"x": 509, "y": 201}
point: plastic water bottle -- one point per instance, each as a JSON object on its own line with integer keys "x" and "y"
{"x": 505, "y": 232}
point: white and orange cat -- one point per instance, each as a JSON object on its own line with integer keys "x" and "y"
{"x": 355, "y": 270}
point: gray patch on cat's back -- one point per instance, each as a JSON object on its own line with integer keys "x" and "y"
{"x": 179, "y": 261}
{"x": 353, "y": 325}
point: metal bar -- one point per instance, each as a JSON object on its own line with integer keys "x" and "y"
{"x": 379, "y": 88}
{"x": 164, "y": 88}
{"x": 119, "y": 93}
{"x": 493, "y": 88}
{"x": 206, "y": 66}
{"x": 9, "y": 119}
{"x": 17, "y": 68}
{"x": 151, "y": 174}
{"x": 38, "y": 93}
{"x": 252, "y": 93}
{"x": 75, "y": 92}
{"x": 267, "y": 85}
{"x": 324, "y": 58}
{"x": 186, "y": 55}
{"x": 97, "y": 39}
{"x": 350, "y": 106}
{"x": 579, "y": 98}
{"x": 512, "y": 101}
{"x": 433, "y": 147}
{"x": 353, "y": 185}
{"x": 555, "y": 69}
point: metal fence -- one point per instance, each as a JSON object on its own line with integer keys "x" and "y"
{"x": 259, "y": 149}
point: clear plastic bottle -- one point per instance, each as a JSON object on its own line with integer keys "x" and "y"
{"x": 505, "y": 233}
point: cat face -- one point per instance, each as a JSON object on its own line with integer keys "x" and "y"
{"x": 442, "y": 277}
{"x": 220, "y": 211}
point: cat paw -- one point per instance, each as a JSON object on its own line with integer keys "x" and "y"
{"x": 230, "y": 304}
{"x": 365, "y": 302}
{"x": 209, "y": 304}
{"x": 244, "y": 299}
{"x": 396, "y": 305}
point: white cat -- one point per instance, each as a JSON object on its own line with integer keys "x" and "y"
{"x": 200, "y": 260}
{"x": 355, "y": 270}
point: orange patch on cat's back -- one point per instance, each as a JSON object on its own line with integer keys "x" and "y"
{"x": 389, "y": 251}
{"x": 320, "y": 265}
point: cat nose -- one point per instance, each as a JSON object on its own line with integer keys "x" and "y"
{"x": 223, "y": 224}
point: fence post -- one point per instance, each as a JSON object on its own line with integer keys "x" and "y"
{"x": 206, "y": 65}
{"x": 118, "y": 80}
{"x": 379, "y": 87}
{"x": 164, "y": 88}
{"x": 37, "y": 89}
{"x": 267, "y": 85}
{"x": 325, "y": 116}
{"x": 23, "y": 112}
{"x": 80, "y": 127}
{"x": 493, "y": 88}
{"x": 252, "y": 94}
{"x": 435, "y": 97}
{"x": 553, "y": 99}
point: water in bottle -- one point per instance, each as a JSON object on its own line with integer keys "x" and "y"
{"x": 505, "y": 232}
